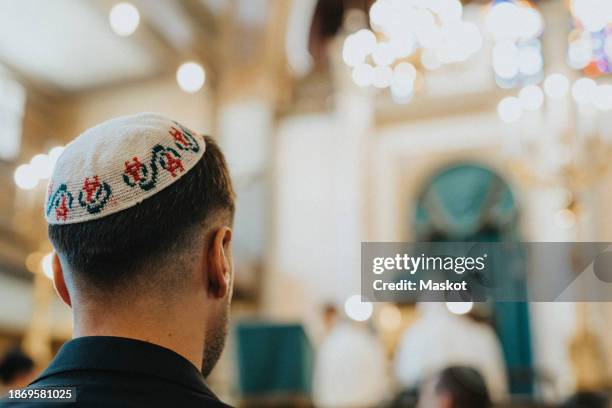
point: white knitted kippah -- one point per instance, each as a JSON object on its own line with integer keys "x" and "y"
{"x": 118, "y": 164}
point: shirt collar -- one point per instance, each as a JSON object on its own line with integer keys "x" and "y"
{"x": 127, "y": 355}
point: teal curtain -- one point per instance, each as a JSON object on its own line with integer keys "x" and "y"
{"x": 470, "y": 203}
{"x": 273, "y": 358}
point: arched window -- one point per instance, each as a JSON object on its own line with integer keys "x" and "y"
{"x": 465, "y": 202}
{"x": 468, "y": 202}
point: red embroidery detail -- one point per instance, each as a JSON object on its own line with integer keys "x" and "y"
{"x": 90, "y": 187}
{"x": 172, "y": 164}
{"x": 61, "y": 212}
{"x": 179, "y": 137}
{"x": 134, "y": 168}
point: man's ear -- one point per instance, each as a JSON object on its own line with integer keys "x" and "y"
{"x": 220, "y": 263}
{"x": 445, "y": 400}
{"x": 58, "y": 280}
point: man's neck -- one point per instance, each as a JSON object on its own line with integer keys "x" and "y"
{"x": 169, "y": 328}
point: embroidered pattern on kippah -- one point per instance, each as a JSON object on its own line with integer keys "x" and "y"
{"x": 184, "y": 138}
{"x": 94, "y": 195}
{"x": 145, "y": 176}
{"x": 61, "y": 202}
{"x": 137, "y": 174}
{"x": 173, "y": 150}
{"x": 169, "y": 159}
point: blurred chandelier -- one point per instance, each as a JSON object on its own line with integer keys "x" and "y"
{"x": 590, "y": 41}
{"x": 434, "y": 33}
{"x": 403, "y": 30}
{"x": 515, "y": 28}
{"x": 560, "y": 135}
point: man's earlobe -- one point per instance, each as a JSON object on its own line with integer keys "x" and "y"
{"x": 58, "y": 280}
{"x": 219, "y": 267}
{"x": 446, "y": 401}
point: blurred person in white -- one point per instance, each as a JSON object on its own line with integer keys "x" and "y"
{"x": 438, "y": 339}
{"x": 455, "y": 387}
{"x": 351, "y": 368}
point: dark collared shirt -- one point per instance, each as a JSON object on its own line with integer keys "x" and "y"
{"x": 119, "y": 372}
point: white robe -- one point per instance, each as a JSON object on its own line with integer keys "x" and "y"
{"x": 439, "y": 339}
{"x": 350, "y": 369}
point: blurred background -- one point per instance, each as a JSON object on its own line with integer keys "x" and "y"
{"x": 343, "y": 121}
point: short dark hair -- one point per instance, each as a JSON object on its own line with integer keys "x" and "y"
{"x": 111, "y": 251}
{"x": 14, "y": 363}
{"x": 465, "y": 385}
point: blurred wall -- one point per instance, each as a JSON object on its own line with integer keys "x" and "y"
{"x": 319, "y": 201}
{"x": 160, "y": 95}
{"x": 18, "y": 294}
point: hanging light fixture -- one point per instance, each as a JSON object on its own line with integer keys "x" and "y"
{"x": 402, "y": 32}
{"x": 590, "y": 41}
{"x": 190, "y": 77}
{"x": 124, "y": 19}
{"x": 515, "y": 28}
{"x": 558, "y": 134}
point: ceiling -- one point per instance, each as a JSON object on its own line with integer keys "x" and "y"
{"x": 68, "y": 44}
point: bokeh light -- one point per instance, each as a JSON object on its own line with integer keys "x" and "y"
{"x": 34, "y": 261}
{"x": 124, "y": 19}
{"x": 583, "y": 90}
{"x": 25, "y": 177}
{"x": 514, "y": 21}
{"x": 358, "y": 310}
{"x": 400, "y": 29}
{"x": 363, "y": 75}
{"x": 383, "y": 75}
{"x": 357, "y": 46}
{"x": 42, "y": 166}
{"x": 460, "y": 308}
{"x": 47, "y": 265}
{"x": 510, "y": 109}
{"x": 515, "y": 28}
{"x": 531, "y": 97}
{"x": 190, "y": 77}
{"x": 590, "y": 41}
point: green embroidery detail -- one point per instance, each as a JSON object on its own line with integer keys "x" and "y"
{"x": 145, "y": 176}
{"x": 60, "y": 201}
{"x": 138, "y": 174}
{"x": 185, "y": 140}
{"x": 94, "y": 196}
